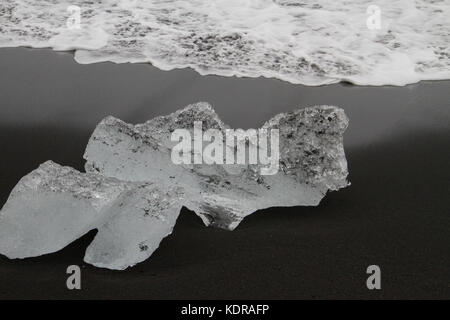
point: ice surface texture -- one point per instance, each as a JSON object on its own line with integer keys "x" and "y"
{"x": 308, "y": 42}
{"x": 312, "y": 161}
{"x": 54, "y": 205}
{"x": 132, "y": 192}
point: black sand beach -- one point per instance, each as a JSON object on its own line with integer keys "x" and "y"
{"x": 396, "y": 213}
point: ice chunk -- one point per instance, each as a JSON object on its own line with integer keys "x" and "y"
{"x": 55, "y": 205}
{"x": 312, "y": 161}
{"x": 132, "y": 192}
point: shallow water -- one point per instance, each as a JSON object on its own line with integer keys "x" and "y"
{"x": 306, "y": 42}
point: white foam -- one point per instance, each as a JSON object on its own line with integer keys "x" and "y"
{"x": 308, "y": 42}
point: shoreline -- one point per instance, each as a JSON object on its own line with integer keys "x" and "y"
{"x": 343, "y": 82}
{"x": 138, "y": 92}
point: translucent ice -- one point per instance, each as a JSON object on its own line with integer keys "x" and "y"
{"x": 54, "y": 205}
{"x": 132, "y": 192}
{"x": 312, "y": 161}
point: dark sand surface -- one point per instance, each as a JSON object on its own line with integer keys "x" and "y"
{"x": 396, "y": 213}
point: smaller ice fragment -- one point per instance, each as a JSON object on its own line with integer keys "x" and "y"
{"x": 55, "y": 205}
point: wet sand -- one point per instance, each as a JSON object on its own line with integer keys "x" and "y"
{"x": 395, "y": 214}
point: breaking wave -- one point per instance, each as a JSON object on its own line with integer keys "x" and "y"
{"x": 307, "y": 42}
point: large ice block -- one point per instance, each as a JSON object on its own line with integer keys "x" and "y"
{"x": 133, "y": 191}
{"x": 311, "y": 161}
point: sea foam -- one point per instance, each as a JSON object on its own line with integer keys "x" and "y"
{"x": 306, "y": 42}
